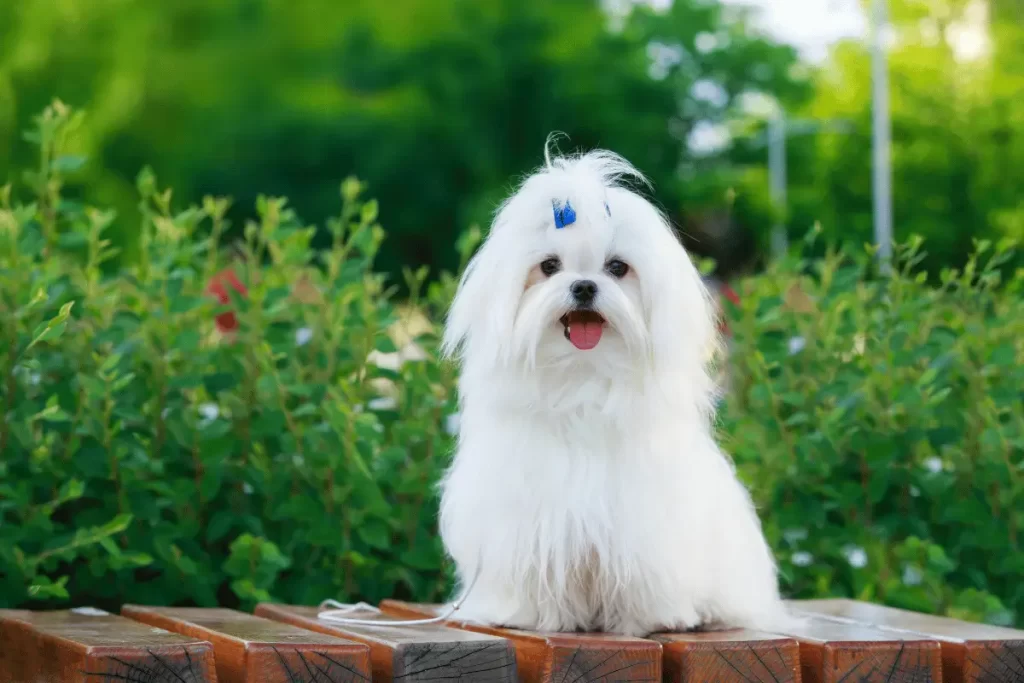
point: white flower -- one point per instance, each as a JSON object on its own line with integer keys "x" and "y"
{"x": 856, "y": 556}
{"x": 302, "y": 336}
{"x": 793, "y": 536}
{"x": 209, "y": 411}
{"x": 382, "y": 403}
{"x": 933, "y": 464}
{"x": 385, "y": 361}
{"x": 247, "y": 488}
{"x": 915, "y": 492}
{"x": 912, "y": 576}
{"x": 859, "y": 342}
{"x": 796, "y": 345}
{"x": 451, "y": 424}
{"x": 413, "y": 352}
{"x": 802, "y": 559}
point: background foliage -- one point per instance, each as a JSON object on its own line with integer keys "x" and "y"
{"x": 957, "y": 129}
{"x": 454, "y": 99}
{"x": 880, "y": 423}
{"x": 170, "y": 447}
{"x": 171, "y": 437}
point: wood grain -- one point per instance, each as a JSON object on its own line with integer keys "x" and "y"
{"x": 413, "y": 654}
{"x": 89, "y": 646}
{"x": 250, "y": 649}
{"x": 834, "y": 651}
{"x": 563, "y": 657}
{"x": 971, "y": 653}
{"x": 734, "y": 656}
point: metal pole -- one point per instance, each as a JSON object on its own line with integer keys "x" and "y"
{"x": 881, "y": 137}
{"x": 777, "y": 180}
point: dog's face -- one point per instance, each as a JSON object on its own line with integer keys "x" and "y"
{"x": 583, "y": 292}
{"x": 580, "y": 271}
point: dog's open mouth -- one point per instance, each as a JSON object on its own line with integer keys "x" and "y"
{"x": 583, "y": 328}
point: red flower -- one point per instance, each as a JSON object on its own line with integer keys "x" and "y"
{"x": 226, "y": 321}
{"x": 730, "y": 294}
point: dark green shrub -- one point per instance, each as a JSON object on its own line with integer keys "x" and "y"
{"x": 880, "y": 423}
{"x": 205, "y": 429}
{"x": 170, "y": 447}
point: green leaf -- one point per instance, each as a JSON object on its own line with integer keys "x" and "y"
{"x": 374, "y": 533}
{"x": 54, "y": 328}
{"x": 68, "y": 163}
{"x": 44, "y": 589}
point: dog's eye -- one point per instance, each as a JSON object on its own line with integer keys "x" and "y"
{"x": 617, "y": 268}
{"x": 550, "y": 266}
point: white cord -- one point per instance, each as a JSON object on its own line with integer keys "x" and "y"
{"x": 336, "y": 615}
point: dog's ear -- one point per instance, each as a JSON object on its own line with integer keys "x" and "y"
{"x": 682, "y": 317}
{"x": 485, "y": 304}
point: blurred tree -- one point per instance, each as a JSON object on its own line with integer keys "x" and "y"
{"x": 957, "y": 81}
{"x": 437, "y": 106}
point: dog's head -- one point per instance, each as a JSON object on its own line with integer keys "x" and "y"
{"x": 580, "y": 272}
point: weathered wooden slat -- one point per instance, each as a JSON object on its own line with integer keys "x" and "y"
{"x": 413, "y": 654}
{"x": 91, "y": 646}
{"x": 971, "y": 653}
{"x": 250, "y": 649}
{"x": 834, "y": 651}
{"x": 563, "y": 657}
{"x": 734, "y": 656}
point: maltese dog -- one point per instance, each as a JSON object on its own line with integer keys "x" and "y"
{"x": 587, "y": 491}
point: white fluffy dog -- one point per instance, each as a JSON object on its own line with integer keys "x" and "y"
{"x": 587, "y": 491}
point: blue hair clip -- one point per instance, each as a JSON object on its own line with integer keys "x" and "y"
{"x": 564, "y": 216}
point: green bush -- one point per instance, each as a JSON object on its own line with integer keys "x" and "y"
{"x": 219, "y": 429}
{"x": 879, "y": 421}
{"x": 169, "y": 447}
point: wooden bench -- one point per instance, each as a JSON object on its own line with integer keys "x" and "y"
{"x": 713, "y": 657}
{"x": 250, "y": 649}
{"x": 413, "y": 653}
{"x": 563, "y": 657}
{"x": 841, "y": 641}
{"x": 971, "y": 653}
{"x": 91, "y": 646}
{"x": 731, "y": 656}
{"x": 838, "y": 652}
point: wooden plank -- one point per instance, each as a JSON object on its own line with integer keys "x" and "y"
{"x": 91, "y": 646}
{"x": 563, "y": 657}
{"x": 733, "y": 656}
{"x": 833, "y": 651}
{"x": 250, "y": 649}
{"x": 413, "y": 654}
{"x": 971, "y": 653}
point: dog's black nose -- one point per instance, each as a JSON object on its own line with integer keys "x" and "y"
{"x": 584, "y": 291}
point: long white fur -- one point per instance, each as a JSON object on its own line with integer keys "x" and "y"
{"x": 587, "y": 491}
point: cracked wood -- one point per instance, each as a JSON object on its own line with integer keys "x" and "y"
{"x": 834, "y": 651}
{"x": 971, "y": 653}
{"x": 732, "y": 656}
{"x": 564, "y": 657}
{"x": 413, "y": 654}
{"x": 89, "y": 646}
{"x": 250, "y": 649}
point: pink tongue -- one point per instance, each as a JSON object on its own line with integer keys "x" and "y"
{"x": 585, "y": 335}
